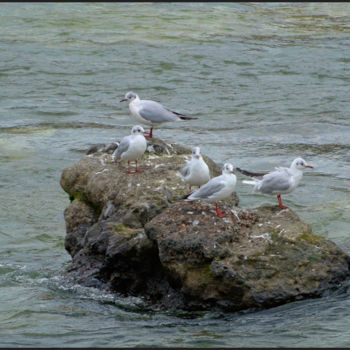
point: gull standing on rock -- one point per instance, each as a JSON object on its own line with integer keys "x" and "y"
{"x": 280, "y": 181}
{"x": 218, "y": 188}
{"x": 131, "y": 148}
{"x": 196, "y": 171}
{"x": 150, "y": 112}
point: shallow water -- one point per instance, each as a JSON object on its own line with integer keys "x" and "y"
{"x": 267, "y": 81}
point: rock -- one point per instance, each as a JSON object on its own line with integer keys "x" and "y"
{"x": 79, "y": 216}
{"x": 101, "y": 183}
{"x": 254, "y": 259}
{"x": 96, "y": 148}
{"x": 101, "y": 147}
{"x": 134, "y": 234}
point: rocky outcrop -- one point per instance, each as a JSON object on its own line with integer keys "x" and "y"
{"x": 252, "y": 259}
{"x": 135, "y": 235}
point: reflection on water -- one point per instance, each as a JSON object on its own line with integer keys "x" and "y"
{"x": 267, "y": 81}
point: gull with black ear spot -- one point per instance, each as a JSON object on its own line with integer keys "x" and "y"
{"x": 131, "y": 148}
{"x": 150, "y": 112}
{"x": 196, "y": 171}
{"x": 280, "y": 181}
{"x": 218, "y": 188}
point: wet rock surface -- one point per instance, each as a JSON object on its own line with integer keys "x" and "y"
{"x": 135, "y": 235}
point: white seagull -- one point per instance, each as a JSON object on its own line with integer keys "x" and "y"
{"x": 131, "y": 148}
{"x": 150, "y": 112}
{"x": 218, "y": 188}
{"x": 280, "y": 181}
{"x": 196, "y": 171}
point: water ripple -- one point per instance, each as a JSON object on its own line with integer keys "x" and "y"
{"x": 267, "y": 81}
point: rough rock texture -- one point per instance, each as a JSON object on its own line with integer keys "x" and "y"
{"x": 251, "y": 259}
{"x": 135, "y": 235}
{"x": 135, "y": 199}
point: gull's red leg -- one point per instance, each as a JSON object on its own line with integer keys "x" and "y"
{"x": 280, "y": 202}
{"x": 219, "y": 212}
{"x": 149, "y": 134}
{"x": 137, "y": 170}
{"x": 129, "y": 172}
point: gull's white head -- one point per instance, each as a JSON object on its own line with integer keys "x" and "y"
{"x": 300, "y": 164}
{"x": 137, "y": 130}
{"x": 129, "y": 96}
{"x": 227, "y": 169}
{"x": 196, "y": 152}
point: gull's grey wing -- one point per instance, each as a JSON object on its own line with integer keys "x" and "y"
{"x": 155, "y": 112}
{"x": 275, "y": 182}
{"x": 123, "y": 147}
{"x": 185, "y": 171}
{"x": 213, "y": 186}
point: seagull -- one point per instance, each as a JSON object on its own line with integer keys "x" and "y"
{"x": 280, "y": 181}
{"x": 218, "y": 188}
{"x": 131, "y": 148}
{"x": 150, "y": 112}
{"x": 196, "y": 171}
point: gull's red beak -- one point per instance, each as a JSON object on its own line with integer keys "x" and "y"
{"x": 197, "y": 156}
{"x": 309, "y": 166}
{"x": 232, "y": 172}
{"x": 123, "y": 100}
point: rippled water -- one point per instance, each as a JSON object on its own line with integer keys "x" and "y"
{"x": 267, "y": 81}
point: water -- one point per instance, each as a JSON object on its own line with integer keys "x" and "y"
{"x": 268, "y": 82}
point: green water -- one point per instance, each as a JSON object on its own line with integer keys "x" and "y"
{"x": 267, "y": 81}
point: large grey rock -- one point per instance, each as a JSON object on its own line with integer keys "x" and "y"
{"x": 251, "y": 259}
{"x": 134, "y": 234}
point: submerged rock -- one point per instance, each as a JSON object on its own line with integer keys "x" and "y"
{"x": 135, "y": 235}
